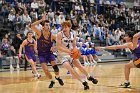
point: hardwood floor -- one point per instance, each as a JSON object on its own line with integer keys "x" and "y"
{"x": 110, "y": 75}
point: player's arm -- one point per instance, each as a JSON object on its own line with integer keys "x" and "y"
{"x": 33, "y": 25}
{"x": 74, "y": 41}
{"x": 59, "y": 44}
{"x": 21, "y": 47}
{"x": 35, "y": 46}
{"x": 135, "y": 40}
{"x": 114, "y": 47}
{"x": 53, "y": 37}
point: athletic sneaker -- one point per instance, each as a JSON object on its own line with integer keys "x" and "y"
{"x": 125, "y": 85}
{"x": 60, "y": 81}
{"x": 94, "y": 81}
{"x": 86, "y": 87}
{"x": 37, "y": 76}
{"x": 51, "y": 84}
{"x": 68, "y": 72}
{"x": 99, "y": 60}
{"x": 11, "y": 67}
{"x": 18, "y": 67}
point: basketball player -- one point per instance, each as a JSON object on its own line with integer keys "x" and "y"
{"x": 65, "y": 42}
{"x": 44, "y": 44}
{"x": 133, "y": 44}
{"x": 30, "y": 48}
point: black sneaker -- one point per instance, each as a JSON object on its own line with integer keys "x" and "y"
{"x": 125, "y": 85}
{"x": 94, "y": 81}
{"x": 68, "y": 72}
{"x": 60, "y": 81}
{"x": 86, "y": 87}
{"x": 51, "y": 84}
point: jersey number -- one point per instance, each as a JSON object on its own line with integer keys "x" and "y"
{"x": 68, "y": 46}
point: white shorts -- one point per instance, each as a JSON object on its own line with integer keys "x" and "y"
{"x": 65, "y": 58}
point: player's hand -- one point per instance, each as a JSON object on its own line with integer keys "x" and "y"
{"x": 53, "y": 49}
{"x": 70, "y": 53}
{"x": 44, "y": 16}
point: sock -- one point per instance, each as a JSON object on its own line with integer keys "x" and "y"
{"x": 88, "y": 76}
{"x": 57, "y": 76}
{"x": 126, "y": 81}
{"x": 52, "y": 79}
{"x": 83, "y": 80}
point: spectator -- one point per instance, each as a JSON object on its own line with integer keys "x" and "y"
{"x": 8, "y": 52}
{"x": 16, "y": 42}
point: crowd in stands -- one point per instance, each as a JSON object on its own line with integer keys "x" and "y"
{"x": 103, "y": 20}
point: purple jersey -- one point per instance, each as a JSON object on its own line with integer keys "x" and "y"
{"x": 44, "y": 45}
{"x": 136, "y": 51}
{"x": 29, "y": 48}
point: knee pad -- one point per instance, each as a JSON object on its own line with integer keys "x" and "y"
{"x": 56, "y": 69}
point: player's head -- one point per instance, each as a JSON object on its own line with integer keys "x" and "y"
{"x": 66, "y": 26}
{"x": 129, "y": 35}
{"x": 46, "y": 25}
{"x": 88, "y": 38}
{"x": 29, "y": 34}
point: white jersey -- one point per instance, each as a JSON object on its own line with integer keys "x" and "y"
{"x": 67, "y": 42}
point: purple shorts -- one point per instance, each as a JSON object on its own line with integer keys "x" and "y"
{"x": 29, "y": 56}
{"x": 137, "y": 62}
{"x": 46, "y": 58}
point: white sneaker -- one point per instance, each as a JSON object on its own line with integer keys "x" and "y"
{"x": 91, "y": 64}
{"x": 99, "y": 60}
{"x": 11, "y": 67}
{"x": 18, "y": 67}
{"x": 85, "y": 64}
{"x": 37, "y": 76}
{"x": 95, "y": 62}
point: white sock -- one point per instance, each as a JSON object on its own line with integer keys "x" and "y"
{"x": 57, "y": 76}
{"x": 126, "y": 81}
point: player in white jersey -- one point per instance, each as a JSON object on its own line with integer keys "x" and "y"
{"x": 65, "y": 42}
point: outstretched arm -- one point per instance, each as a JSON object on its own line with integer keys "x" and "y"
{"x": 74, "y": 42}
{"x": 33, "y": 25}
{"x": 135, "y": 40}
{"x": 114, "y": 47}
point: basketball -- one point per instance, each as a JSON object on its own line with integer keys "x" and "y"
{"x": 76, "y": 53}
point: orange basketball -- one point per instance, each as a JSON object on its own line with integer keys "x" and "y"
{"x": 76, "y": 53}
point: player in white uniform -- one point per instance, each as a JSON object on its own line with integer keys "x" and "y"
{"x": 65, "y": 42}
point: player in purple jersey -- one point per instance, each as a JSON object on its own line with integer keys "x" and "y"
{"x": 44, "y": 45}
{"x": 133, "y": 44}
{"x": 30, "y": 48}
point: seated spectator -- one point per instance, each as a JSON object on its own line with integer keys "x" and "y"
{"x": 8, "y": 53}
{"x": 17, "y": 40}
{"x": 17, "y": 23}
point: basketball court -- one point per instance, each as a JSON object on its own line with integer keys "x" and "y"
{"x": 110, "y": 75}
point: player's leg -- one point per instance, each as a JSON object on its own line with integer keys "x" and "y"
{"x": 44, "y": 66}
{"x": 31, "y": 59}
{"x": 127, "y": 69}
{"x": 77, "y": 63}
{"x": 74, "y": 74}
{"x": 51, "y": 59}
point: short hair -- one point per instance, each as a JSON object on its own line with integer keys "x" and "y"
{"x": 130, "y": 34}
{"x": 87, "y": 37}
{"x": 29, "y": 32}
{"x": 66, "y": 23}
{"x": 43, "y": 23}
